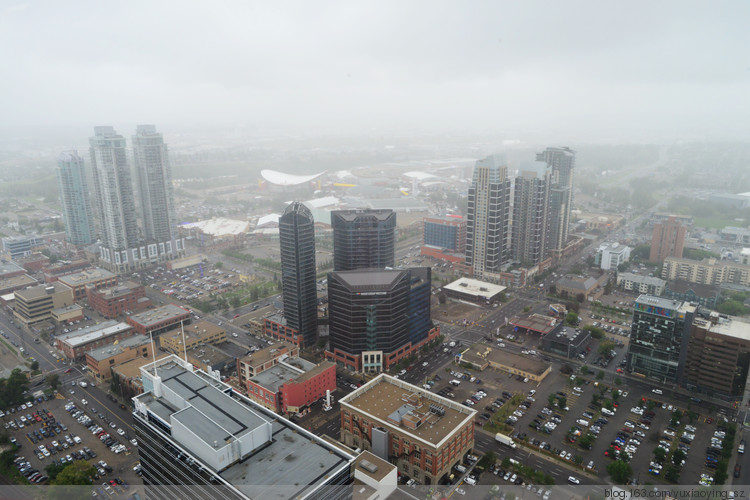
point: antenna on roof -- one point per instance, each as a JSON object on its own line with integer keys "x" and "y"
{"x": 184, "y": 346}
{"x": 153, "y": 349}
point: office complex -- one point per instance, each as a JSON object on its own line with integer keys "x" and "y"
{"x": 445, "y": 233}
{"x": 74, "y": 198}
{"x": 659, "y": 338}
{"x": 297, "y": 245}
{"x": 421, "y": 433}
{"x": 562, "y": 162}
{"x": 194, "y": 430}
{"x": 21, "y": 246}
{"x": 363, "y": 239}
{"x": 36, "y": 303}
{"x": 667, "y": 240}
{"x": 530, "y": 229}
{"x": 378, "y": 317}
{"x": 610, "y": 255}
{"x": 649, "y": 285}
{"x": 487, "y": 223}
{"x": 123, "y": 246}
{"x": 151, "y": 161}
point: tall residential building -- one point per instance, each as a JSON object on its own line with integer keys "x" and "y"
{"x": 114, "y": 198}
{"x": 297, "y": 243}
{"x": 377, "y": 316}
{"x": 151, "y": 161}
{"x": 74, "y": 197}
{"x": 363, "y": 239}
{"x": 487, "y": 223}
{"x": 195, "y": 431}
{"x": 530, "y": 229}
{"x": 123, "y": 247}
{"x": 659, "y": 338}
{"x": 562, "y": 161}
{"x": 667, "y": 240}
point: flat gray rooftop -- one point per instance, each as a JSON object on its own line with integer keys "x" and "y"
{"x": 275, "y": 376}
{"x": 291, "y": 467}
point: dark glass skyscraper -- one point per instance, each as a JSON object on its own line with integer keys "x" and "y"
{"x": 562, "y": 161}
{"x": 297, "y": 242}
{"x": 531, "y": 213}
{"x": 363, "y": 239}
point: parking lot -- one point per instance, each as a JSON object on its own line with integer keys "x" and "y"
{"x": 48, "y": 433}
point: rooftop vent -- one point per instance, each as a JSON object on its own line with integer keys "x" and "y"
{"x": 368, "y": 466}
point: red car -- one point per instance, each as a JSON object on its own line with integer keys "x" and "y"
{"x": 68, "y": 370}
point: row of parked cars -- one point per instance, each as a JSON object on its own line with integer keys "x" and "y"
{"x": 26, "y": 470}
{"x": 114, "y": 445}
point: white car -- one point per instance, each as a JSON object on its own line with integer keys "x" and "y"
{"x": 134, "y": 442}
{"x": 574, "y": 480}
{"x": 84, "y": 402}
{"x": 121, "y": 432}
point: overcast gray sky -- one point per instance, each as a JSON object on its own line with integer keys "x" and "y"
{"x": 584, "y": 69}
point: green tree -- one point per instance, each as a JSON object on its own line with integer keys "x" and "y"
{"x": 571, "y": 319}
{"x": 678, "y": 456}
{"x": 235, "y": 301}
{"x": 605, "y": 346}
{"x": 53, "y": 380}
{"x": 6, "y": 458}
{"x": 672, "y": 473}
{"x": 562, "y": 402}
{"x": 660, "y": 454}
{"x": 77, "y": 473}
{"x": 600, "y": 375}
{"x": 585, "y": 370}
{"x": 551, "y": 399}
{"x": 615, "y": 395}
{"x": 620, "y": 471}
{"x": 219, "y": 265}
{"x": 34, "y": 365}
{"x": 488, "y": 459}
{"x": 54, "y": 469}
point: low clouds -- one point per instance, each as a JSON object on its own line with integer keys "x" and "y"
{"x": 581, "y": 67}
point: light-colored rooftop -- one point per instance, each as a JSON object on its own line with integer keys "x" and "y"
{"x": 154, "y": 316}
{"x": 17, "y": 281}
{"x": 108, "y": 351}
{"x": 474, "y": 287}
{"x": 92, "y": 333}
{"x": 9, "y": 267}
{"x": 284, "y": 179}
{"x": 735, "y": 327}
{"x": 86, "y": 276}
{"x": 385, "y": 398}
{"x": 220, "y": 226}
{"x": 36, "y": 292}
{"x": 639, "y": 278}
{"x": 118, "y": 290}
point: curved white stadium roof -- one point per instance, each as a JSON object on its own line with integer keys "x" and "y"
{"x": 282, "y": 179}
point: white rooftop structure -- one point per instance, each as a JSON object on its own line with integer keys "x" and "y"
{"x": 283, "y": 179}
{"x": 220, "y": 226}
{"x": 420, "y": 176}
{"x": 474, "y": 287}
{"x": 83, "y": 337}
{"x": 266, "y": 220}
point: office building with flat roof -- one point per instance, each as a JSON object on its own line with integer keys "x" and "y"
{"x": 530, "y": 230}
{"x": 649, "y": 285}
{"x": 118, "y": 300}
{"x": 445, "y": 233}
{"x": 101, "y": 360}
{"x": 10, "y": 269}
{"x": 21, "y": 246}
{"x": 95, "y": 278}
{"x": 160, "y": 319}
{"x": 35, "y": 304}
{"x": 74, "y": 345}
{"x": 610, "y": 255}
{"x": 659, "y": 336}
{"x": 421, "y": 433}
{"x": 471, "y": 290}
{"x": 194, "y": 430}
{"x": 8, "y": 285}
{"x": 72, "y": 183}
{"x": 257, "y": 362}
{"x": 488, "y": 219}
{"x": 190, "y": 336}
{"x": 298, "y": 271}
{"x": 378, "y": 317}
{"x": 363, "y": 239}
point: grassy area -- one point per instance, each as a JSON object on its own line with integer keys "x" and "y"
{"x": 497, "y": 422}
{"x": 714, "y": 222}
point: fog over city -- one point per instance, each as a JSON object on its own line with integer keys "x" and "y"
{"x": 547, "y": 71}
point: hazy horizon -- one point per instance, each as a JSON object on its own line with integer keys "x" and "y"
{"x": 578, "y": 71}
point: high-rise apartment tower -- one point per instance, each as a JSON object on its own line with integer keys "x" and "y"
{"x": 74, "y": 197}
{"x": 562, "y": 161}
{"x": 530, "y": 229}
{"x": 487, "y": 223}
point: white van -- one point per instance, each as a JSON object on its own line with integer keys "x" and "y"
{"x": 608, "y": 412}
{"x": 455, "y": 382}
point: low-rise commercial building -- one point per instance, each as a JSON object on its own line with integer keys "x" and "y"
{"x": 537, "y": 323}
{"x": 210, "y": 358}
{"x": 35, "y": 304}
{"x": 587, "y": 287}
{"x": 611, "y": 255}
{"x": 471, "y": 290}
{"x": 63, "y": 267}
{"x": 100, "y": 361}
{"x": 76, "y": 344}
{"x": 275, "y": 327}
{"x": 159, "y": 320}
{"x": 260, "y": 361}
{"x": 67, "y": 314}
{"x": 17, "y": 282}
{"x": 566, "y": 341}
{"x": 96, "y": 278}
{"x": 481, "y": 357}
{"x": 10, "y": 269}
{"x": 128, "y": 297}
{"x": 292, "y": 385}
{"x": 203, "y": 332}
{"x": 421, "y": 433}
{"x": 703, "y": 295}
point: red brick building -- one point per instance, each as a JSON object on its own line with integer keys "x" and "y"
{"x": 272, "y": 327}
{"x": 263, "y": 359}
{"x": 53, "y": 271}
{"x": 118, "y": 300}
{"x": 292, "y": 385}
{"x": 96, "y": 278}
{"x": 76, "y": 344}
{"x": 421, "y": 433}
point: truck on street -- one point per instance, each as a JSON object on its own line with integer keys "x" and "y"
{"x": 506, "y": 440}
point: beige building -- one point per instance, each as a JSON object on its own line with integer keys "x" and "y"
{"x": 706, "y": 271}
{"x": 203, "y": 332}
{"x": 35, "y": 304}
{"x": 100, "y": 361}
{"x": 423, "y": 434}
{"x": 482, "y": 357}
